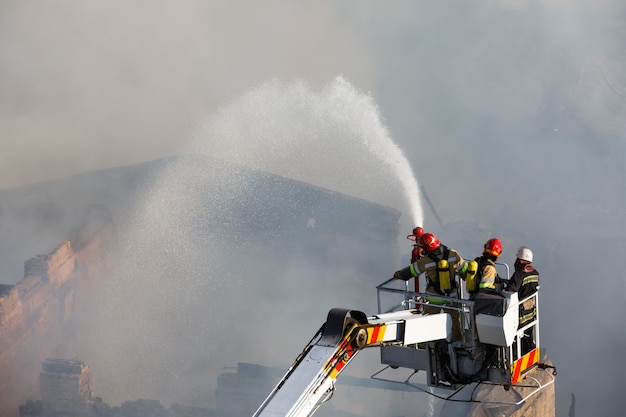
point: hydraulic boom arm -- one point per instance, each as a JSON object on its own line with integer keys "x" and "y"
{"x": 310, "y": 380}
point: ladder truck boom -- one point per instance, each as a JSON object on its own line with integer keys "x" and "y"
{"x": 490, "y": 351}
{"x": 311, "y": 379}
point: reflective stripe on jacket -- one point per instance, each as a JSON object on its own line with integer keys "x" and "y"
{"x": 525, "y": 283}
{"x": 488, "y": 275}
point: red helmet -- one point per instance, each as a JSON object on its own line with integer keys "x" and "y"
{"x": 493, "y": 247}
{"x": 429, "y": 242}
{"x": 417, "y": 232}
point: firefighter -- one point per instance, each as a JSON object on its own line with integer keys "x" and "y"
{"x": 525, "y": 280}
{"x": 417, "y": 252}
{"x": 440, "y": 264}
{"x": 487, "y": 275}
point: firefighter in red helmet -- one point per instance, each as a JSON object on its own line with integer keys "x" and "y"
{"x": 417, "y": 252}
{"x": 487, "y": 275}
{"x": 435, "y": 270}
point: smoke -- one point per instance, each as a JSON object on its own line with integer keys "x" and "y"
{"x": 95, "y": 84}
{"x": 510, "y": 112}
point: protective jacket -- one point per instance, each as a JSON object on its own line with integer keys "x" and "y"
{"x": 487, "y": 273}
{"x": 428, "y": 264}
{"x": 525, "y": 280}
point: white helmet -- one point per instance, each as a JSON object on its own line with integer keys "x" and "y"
{"x": 524, "y": 254}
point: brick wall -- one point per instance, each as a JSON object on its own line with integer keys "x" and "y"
{"x": 35, "y": 313}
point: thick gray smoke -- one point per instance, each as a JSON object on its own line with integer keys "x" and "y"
{"x": 510, "y": 111}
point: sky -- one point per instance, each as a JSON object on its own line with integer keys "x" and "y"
{"x": 510, "y": 113}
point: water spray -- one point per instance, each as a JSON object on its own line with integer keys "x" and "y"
{"x": 333, "y": 138}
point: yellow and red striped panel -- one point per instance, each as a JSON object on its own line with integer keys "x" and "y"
{"x": 345, "y": 351}
{"x": 376, "y": 333}
{"x": 341, "y": 357}
{"x": 524, "y": 365}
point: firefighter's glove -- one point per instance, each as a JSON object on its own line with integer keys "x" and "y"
{"x": 403, "y": 274}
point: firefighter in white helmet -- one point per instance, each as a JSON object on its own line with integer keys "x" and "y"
{"x": 525, "y": 281}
